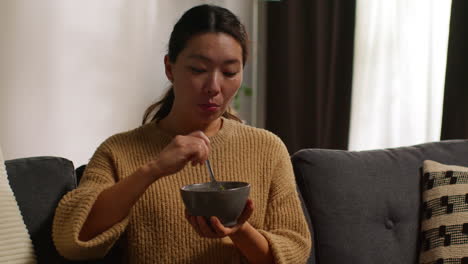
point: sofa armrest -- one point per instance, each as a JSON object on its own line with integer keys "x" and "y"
{"x": 38, "y": 184}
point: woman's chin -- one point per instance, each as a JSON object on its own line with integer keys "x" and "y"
{"x": 207, "y": 119}
{"x": 211, "y": 114}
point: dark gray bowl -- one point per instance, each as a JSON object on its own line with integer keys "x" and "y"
{"x": 206, "y": 199}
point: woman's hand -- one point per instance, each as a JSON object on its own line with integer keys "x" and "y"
{"x": 193, "y": 148}
{"x": 217, "y": 229}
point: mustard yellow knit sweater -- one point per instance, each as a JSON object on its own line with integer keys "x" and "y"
{"x": 156, "y": 230}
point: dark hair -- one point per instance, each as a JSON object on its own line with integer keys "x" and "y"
{"x": 197, "y": 20}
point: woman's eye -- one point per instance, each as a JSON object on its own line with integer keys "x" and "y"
{"x": 230, "y": 74}
{"x": 197, "y": 70}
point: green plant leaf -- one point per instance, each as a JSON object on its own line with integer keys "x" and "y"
{"x": 236, "y": 102}
{"x": 248, "y": 91}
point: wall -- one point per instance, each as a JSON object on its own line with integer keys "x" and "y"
{"x": 73, "y": 73}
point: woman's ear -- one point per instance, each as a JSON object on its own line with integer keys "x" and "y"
{"x": 168, "y": 68}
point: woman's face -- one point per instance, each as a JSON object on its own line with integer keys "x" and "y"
{"x": 206, "y": 76}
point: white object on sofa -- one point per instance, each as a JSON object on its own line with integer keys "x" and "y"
{"x": 15, "y": 243}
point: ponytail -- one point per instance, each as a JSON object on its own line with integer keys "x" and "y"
{"x": 165, "y": 106}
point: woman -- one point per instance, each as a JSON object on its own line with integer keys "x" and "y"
{"x": 131, "y": 184}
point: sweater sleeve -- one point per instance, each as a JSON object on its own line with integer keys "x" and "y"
{"x": 75, "y": 206}
{"x": 286, "y": 229}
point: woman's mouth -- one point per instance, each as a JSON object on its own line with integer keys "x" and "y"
{"x": 209, "y": 107}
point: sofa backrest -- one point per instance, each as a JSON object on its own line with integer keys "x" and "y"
{"x": 365, "y": 206}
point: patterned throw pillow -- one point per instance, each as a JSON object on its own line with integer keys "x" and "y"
{"x": 15, "y": 244}
{"x": 444, "y": 227}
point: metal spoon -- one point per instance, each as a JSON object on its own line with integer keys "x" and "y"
{"x": 213, "y": 180}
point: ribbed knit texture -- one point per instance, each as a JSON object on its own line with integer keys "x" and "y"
{"x": 156, "y": 230}
{"x": 15, "y": 244}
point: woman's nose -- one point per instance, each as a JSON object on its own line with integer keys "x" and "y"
{"x": 213, "y": 85}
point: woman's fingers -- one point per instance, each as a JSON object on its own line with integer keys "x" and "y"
{"x": 246, "y": 213}
{"x": 206, "y": 230}
{"x": 198, "y": 156}
{"x": 218, "y": 227}
{"x": 201, "y": 227}
{"x": 201, "y": 135}
{"x": 221, "y": 230}
{"x": 193, "y": 148}
{"x": 203, "y": 145}
{"x": 190, "y": 219}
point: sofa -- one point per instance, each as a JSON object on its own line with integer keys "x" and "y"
{"x": 362, "y": 207}
{"x": 365, "y": 207}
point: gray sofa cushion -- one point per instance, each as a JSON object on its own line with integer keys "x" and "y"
{"x": 365, "y": 206}
{"x": 39, "y": 183}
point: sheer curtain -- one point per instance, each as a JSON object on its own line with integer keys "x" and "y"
{"x": 399, "y": 72}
